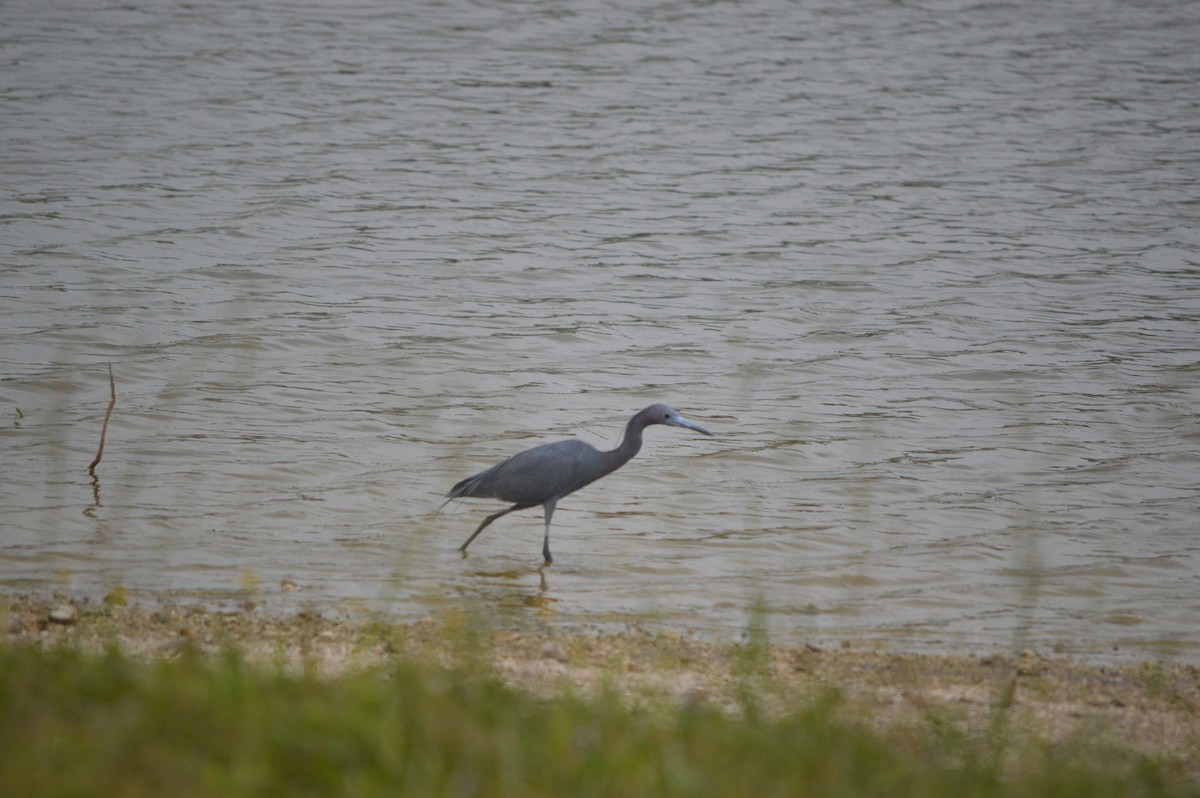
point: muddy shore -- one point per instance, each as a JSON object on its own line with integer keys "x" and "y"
{"x": 1150, "y": 707}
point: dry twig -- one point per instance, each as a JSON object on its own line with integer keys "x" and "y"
{"x": 112, "y": 400}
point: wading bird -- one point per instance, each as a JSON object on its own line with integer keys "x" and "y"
{"x": 544, "y": 474}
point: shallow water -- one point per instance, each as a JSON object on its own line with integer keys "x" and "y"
{"x": 931, "y": 273}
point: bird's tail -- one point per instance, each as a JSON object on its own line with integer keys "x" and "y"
{"x": 464, "y": 488}
{"x": 471, "y": 486}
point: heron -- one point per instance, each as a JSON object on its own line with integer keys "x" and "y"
{"x": 544, "y": 474}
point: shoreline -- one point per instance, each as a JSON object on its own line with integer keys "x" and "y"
{"x": 1149, "y": 707}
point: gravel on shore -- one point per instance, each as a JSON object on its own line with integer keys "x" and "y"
{"x": 1151, "y": 707}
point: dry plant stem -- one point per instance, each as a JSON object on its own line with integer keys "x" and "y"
{"x": 112, "y": 400}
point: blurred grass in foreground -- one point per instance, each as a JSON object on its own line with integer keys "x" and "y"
{"x": 73, "y": 723}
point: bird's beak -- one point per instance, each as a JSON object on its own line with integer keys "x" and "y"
{"x": 679, "y": 421}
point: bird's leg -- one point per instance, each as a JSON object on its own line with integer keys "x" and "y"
{"x": 488, "y": 520}
{"x": 548, "y": 505}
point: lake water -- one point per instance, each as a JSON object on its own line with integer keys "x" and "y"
{"x": 931, "y": 273}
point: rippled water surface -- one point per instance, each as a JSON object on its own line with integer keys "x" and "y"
{"x": 931, "y": 272}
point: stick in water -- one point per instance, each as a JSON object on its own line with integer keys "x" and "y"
{"x": 112, "y": 400}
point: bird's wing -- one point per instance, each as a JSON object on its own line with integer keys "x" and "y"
{"x": 549, "y": 471}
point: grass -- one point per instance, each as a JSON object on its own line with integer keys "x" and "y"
{"x": 74, "y": 722}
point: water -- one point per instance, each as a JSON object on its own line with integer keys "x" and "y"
{"x": 931, "y": 273}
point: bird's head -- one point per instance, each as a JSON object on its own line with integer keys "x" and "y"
{"x": 661, "y": 414}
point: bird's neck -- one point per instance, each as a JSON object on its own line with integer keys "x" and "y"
{"x": 630, "y": 445}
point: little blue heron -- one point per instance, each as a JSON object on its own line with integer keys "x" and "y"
{"x": 544, "y": 474}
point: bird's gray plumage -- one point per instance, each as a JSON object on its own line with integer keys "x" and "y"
{"x": 544, "y": 474}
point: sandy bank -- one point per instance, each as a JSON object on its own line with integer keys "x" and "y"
{"x": 1149, "y": 707}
